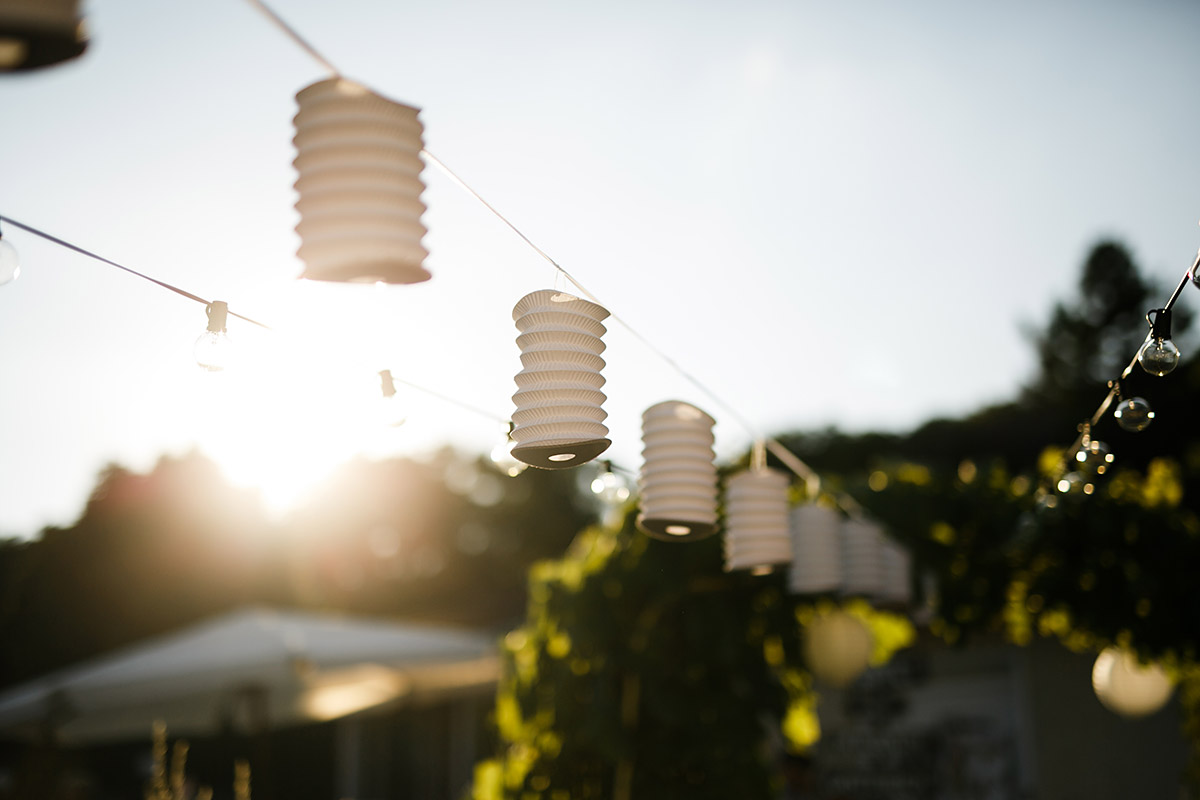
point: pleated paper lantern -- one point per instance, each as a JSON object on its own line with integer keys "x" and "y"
{"x": 757, "y": 535}
{"x": 39, "y": 33}
{"x": 816, "y": 550}
{"x": 862, "y": 558}
{"x": 678, "y": 481}
{"x": 895, "y": 589}
{"x": 358, "y": 156}
{"x": 559, "y": 420}
{"x": 1128, "y": 687}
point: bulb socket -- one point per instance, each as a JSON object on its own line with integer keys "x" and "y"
{"x": 1160, "y": 323}
{"x": 218, "y": 315}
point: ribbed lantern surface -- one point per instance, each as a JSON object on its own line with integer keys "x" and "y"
{"x": 862, "y": 558}
{"x": 678, "y": 481}
{"x": 816, "y": 550}
{"x": 757, "y": 533}
{"x": 358, "y": 156}
{"x": 896, "y": 586}
{"x": 559, "y": 419}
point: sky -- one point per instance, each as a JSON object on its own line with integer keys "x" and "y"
{"x": 827, "y": 214}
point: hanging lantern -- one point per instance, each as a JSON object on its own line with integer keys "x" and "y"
{"x": 895, "y": 588}
{"x": 358, "y": 156}
{"x": 862, "y": 558}
{"x": 39, "y": 33}
{"x": 559, "y": 421}
{"x": 837, "y": 648}
{"x": 756, "y": 520}
{"x": 816, "y": 550}
{"x": 1128, "y": 687}
{"x": 678, "y": 481}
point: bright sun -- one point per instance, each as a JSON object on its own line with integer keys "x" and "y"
{"x": 281, "y": 427}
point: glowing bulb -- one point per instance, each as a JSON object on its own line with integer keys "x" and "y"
{"x": 1134, "y": 414}
{"x": 10, "y": 264}
{"x": 610, "y": 487}
{"x": 391, "y": 410}
{"x": 1093, "y": 455}
{"x": 1159, "y": 355}
{"x": 837, "y": 647}
{"x": 1128, "y": 687}
{"x": 503, "y": 458}
{"x": 213, "y": 348}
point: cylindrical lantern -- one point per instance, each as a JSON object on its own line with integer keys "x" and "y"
{"x": 816, "y": 550}
{"x": 896, "y": 587}
{"x": 39, "y": 33}
{"x": 756, "y": 520}
{"x": 358, "y": 156}
{"x": 862, "y": 558}
{"x": 678, "y": 481}
{"x": 559, "y": 421}
{"x": 1128, "y": 687}
{"x": 837, "y": 647}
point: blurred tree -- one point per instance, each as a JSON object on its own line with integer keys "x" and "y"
{"x": 443, "y": 541}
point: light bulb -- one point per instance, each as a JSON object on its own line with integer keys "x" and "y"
{"x": 1093, "y": 455}
{"x": 1128, "y": 687}
{"x": 610, "y": 487}
{"x": 837, "y": 647}
{"x": 1159, "y": 355}
{"x": 1074, "y": 483}
{"x": 213, "y": 348}
{"x": 1134, "y": 414}
{"x": 10, "y": 264}
{"x": 503, "y": 458}
{"x": 391, "y": 410}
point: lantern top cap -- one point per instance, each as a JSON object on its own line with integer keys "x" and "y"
{"x": 550, "y": 300}
{"x": 677, "y": 409}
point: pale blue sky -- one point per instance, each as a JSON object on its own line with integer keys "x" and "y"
{"x": 832, "y": 214}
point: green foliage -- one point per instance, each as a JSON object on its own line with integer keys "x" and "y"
{"x": 644, "y": 670}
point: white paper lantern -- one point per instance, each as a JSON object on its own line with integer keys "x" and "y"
{"x": 1128, "y": 687}
{"x": 862, "y": 558}
{"x": 896, "y": 587}
{"x": 39, "y": 33}
{"x": 678, "y": 480}
{"x": 816, "y": 550}
{"x": 358, "y": 156}
{"x": 559, "y": 419}
{"x": 757, "y": 534}
{"x": 837, "y": 647}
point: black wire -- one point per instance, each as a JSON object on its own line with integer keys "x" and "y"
{"x": 90, "y": 254}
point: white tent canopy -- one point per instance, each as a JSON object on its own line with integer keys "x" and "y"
{"x": 251, "y": 669}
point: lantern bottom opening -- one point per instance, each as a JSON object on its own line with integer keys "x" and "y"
{"x": 370, "y": 273}
{"x": 675, "y": 530}
{"x": 27, "y": 46}
{"x": 560, "y": 456}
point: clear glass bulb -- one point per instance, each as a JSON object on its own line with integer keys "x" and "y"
{"x": 213, "y": 350}
{"x": 611, "y": 488}
{"x": 503, "y": 458}
{"x": 1134, "y": 414}
{"x": 1074, "y": 483}
{"x": 1094, "y": 456}
{"x": 391, "y": 411}
{"x": 10, "y": 263}
{"x": 1158, "y": 356}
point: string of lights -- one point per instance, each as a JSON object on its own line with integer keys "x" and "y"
{"x": 1158, "y": 356}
